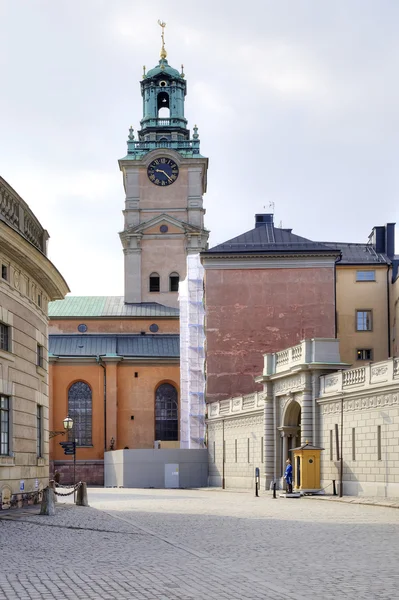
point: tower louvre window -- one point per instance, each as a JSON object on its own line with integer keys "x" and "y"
{"x": 163, "y": 104}
{"x": 155, "y": 282}
{"x": 174, "y": 282}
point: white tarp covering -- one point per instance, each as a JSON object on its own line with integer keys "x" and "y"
{"x": 192, "y": 356}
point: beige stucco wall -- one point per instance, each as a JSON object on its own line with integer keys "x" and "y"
{"x": 163, "y": 256}
{"x": 21, "y": 380}
{"x": 353, "y": 295}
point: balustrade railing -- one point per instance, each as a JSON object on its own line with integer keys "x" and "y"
{"x": 282, "y": 357}
{"x": 373, "y": 374}
{"x": 296, "y": 353}
{"x": 15, "y": 212}
{"x": 354, "y": 376}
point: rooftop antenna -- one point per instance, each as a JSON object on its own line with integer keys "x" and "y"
{"x": 271, "y": 205}
{"x": 281, "y": 225}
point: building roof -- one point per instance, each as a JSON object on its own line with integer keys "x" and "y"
{"x": 106, "y": 306}
{"x": 352, "y": 254}
{"x": 140, "y": 346}
{"x": 267, "y": 238}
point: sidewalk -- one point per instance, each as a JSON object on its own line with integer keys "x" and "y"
{"x": 368, "y": 500}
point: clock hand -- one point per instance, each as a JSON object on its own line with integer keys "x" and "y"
{"x": 166, "y": 175}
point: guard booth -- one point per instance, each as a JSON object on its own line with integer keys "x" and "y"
{"x": 306, "y": 468}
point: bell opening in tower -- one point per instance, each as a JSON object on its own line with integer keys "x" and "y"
{"x": 163, "y": 105}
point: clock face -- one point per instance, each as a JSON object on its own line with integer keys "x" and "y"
{"x": 163, "y": 171}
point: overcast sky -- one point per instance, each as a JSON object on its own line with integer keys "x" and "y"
{"x": 296, "y": 103}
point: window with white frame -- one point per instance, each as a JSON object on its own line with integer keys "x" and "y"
{"x": 368, "y": 275}
{"x": 364, "y": 320}
{"x": 364, "y": 354}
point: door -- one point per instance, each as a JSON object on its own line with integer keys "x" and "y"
{"x": 171, "y": 476}
{"x": 311, "y": 471}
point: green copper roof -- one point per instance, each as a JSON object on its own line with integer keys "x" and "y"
{"x": 163, "y": 68}
{"x": 106, "y": 306}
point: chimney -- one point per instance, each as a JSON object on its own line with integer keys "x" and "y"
{"x": 261, "y": 220}
{"x": 383, "y": 239}
{"x": 378, "y": 239}
{"x": 390, "y": 240}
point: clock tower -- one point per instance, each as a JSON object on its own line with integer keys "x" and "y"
{"x": 164, "y": 177}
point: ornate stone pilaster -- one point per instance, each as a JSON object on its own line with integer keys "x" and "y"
{"x": 269, "y": 434}
{"x": 307, "y": 412}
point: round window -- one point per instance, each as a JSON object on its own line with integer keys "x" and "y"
{"x": 154, "y": 328}
{"x": 82, "y": 328}
{"x": 163, "y": 228}
{"x": 310, "y": 460}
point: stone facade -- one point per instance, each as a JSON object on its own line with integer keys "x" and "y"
{"x": 28, "y": 282}
{"x": 283, "y": 416}
{"x": 363, "y": 403}
{"x": 358, "y": 408}
{"x": 236, "y": 440}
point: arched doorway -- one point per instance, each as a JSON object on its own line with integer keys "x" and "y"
{"x": 290, "y": 431}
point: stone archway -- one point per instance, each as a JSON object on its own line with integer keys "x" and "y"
{"x": 290, "y": 430}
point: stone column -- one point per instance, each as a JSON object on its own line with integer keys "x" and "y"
{"x": 315, "y": 408}
{"x": 307, "y": 412}
{"x": 285, "y": 447}
{"x": 269, "y": 434}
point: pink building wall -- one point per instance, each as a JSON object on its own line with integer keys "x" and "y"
{"x": 253, "y": 311}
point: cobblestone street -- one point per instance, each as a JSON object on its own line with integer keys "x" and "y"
{"x": 196, "y": 544}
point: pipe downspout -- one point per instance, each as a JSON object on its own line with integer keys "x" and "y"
{"x": 98, "y": 359}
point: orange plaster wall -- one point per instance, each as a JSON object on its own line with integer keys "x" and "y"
{"x": 62, "y": 376}
{"x": 113, "y": 325}
{"x": 136, "y": 396}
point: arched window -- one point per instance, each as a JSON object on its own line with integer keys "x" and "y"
{"x": 80, "y": 410}
{"x": 166, "y": 413}
{"x": 154, "y": 282}
{"x": 174, "y": 282}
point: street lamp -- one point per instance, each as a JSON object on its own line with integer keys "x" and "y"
{"x": 68, "y": 423}
{"x": 68, "y": 426}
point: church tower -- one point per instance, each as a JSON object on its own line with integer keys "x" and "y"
{"x": 164, "y": 177}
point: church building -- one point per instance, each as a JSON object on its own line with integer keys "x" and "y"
{"x": 114, "y": 361}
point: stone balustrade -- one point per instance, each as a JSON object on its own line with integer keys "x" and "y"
{"x": 16, "y": 213}
{"x": 238, "y": 405}
{"x": 317, "y": 350}
{"x": 381, "y": 373}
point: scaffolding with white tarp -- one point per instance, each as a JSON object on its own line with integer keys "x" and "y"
{"x": 192, "y": 356}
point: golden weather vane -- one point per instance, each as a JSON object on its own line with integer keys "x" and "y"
{"x": 163, "y": 53}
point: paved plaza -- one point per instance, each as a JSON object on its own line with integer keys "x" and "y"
{"x": 200, "y": 545}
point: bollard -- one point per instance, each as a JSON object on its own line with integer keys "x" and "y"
{"x": 334, "y": 488}
{"x": 52, "y": 485}
{"x": 48, "y": 502}
{"x": 257, "y": 477}
{"x": 81, "y": 496}
{"x": 274, "y": 489}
